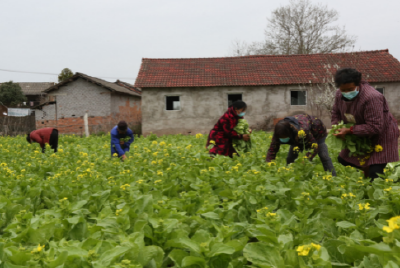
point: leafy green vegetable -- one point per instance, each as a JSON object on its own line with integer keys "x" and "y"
{"x": 169, "y": 205}
{"x": 240, "y": 145}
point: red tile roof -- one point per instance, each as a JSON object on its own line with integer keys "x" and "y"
{"x": 376, "y": 66}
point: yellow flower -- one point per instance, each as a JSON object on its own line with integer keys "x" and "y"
{"x": 296, "y": 149}
{"x": 115, "y": 154}
{"x": 301, "y": 134}
{"x": 188, "y": 147}
{"x": 314, "y": 146}
{"x": 39, "y": 248}
{"x": 269, "y": 214}
{"x": 351, "y": 195}
{"x": 303, "y": 250}
{"x": 378, "y": 148}
{"x": 389, "y": 180}
{"x": 160, "y": 173}
{"x": 392, "y": 224}
{"x": 364, "y": 207}
{"x": 316, "y": 246}
{"x": 157, "y": 181}
{"x": 154, "y": 143}
{"x": 199, "y": 135}
{"x": 162, "y": 143}
{"x": 212, "y": 142}
{"x": 388, "y": 189}
{"x": 60, "y": 150}
{"x": 344, "y": 195}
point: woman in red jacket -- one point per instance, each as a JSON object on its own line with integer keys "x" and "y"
{"x": 44, "y": 135}
{"x": 222, "y": 133}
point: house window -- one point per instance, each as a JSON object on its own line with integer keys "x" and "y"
{"x": 380, "y": 89}
{"x": 173, "y": 103}
{"x": 233, "y": 97}
{"x": 298, "y": 97}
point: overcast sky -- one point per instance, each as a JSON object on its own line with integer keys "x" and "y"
{"x": 109, "y": 38}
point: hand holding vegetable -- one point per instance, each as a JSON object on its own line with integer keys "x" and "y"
{"x": 341, "y": 133}
{"x": 246, "y": 137}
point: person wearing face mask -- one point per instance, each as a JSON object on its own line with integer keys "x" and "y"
{"x": 358, "y": 102}
{"x": 222, "y": 133}
{"x": 301, "y": 132}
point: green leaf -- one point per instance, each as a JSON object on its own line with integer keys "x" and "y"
{"x": 263, "y": 255}
{"x": 345, "y": 224}
{"x": 220, "y": 248}
{"x": 211, "y": 215}
{"x": 111, "y": 255}
{"x": 197, "y": 262}
{"x": 151, "y": 253}
{"x": 184, "y": 243}
{"x": 177, "y": 255}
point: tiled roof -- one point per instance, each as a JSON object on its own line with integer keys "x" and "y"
{"x": 376, "y": 66}
{"x": 128, "y": 86}
{"x": 32, "y": 88}
{"x": 100, "y": 82}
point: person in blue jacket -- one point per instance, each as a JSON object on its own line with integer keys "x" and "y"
{"x": 121, "y": 139}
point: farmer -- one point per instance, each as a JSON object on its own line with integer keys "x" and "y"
{"x": 301, "y": 132}
{"x": 121, "y": 139}
{"x": 44, "y": 135}
{"x": 359, "y": 103}
{"x": 222, "y": 134}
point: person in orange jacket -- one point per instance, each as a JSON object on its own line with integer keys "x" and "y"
{"x": 44, "y": 135}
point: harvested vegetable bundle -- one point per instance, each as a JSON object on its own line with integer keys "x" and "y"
{"x": 239, "y": 144}
{"x": 358, "y": 146}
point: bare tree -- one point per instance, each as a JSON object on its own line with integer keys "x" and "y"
{"x": 322, "y": 90}
{"x": 321, "y": 96}
{"x": 301, "y": 28}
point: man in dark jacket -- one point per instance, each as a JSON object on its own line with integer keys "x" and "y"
{"x": 121, "y": 139}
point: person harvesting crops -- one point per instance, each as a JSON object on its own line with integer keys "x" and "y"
{"x": 301, "y": 132}
{"x": 121, "y": 139}
{"x": 42, "y": 136}
{"x": 223, "y": 133}
{"x": 358, "y": 103}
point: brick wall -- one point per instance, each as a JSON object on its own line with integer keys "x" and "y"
{"x": 105, "y": 109}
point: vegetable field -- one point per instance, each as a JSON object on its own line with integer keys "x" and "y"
{"x": 170, "y": 205}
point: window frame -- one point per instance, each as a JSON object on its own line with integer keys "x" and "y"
{"x": 173, "y": 95}
{"x": 383, "y": 90}
{"x": 232, "y": 93}
{"x": 306, "y": 95}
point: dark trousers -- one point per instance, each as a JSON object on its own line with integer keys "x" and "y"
{"x": 53, "y": 142}
{"x": 322, "y": 153}
{"x": 373, "y": 170}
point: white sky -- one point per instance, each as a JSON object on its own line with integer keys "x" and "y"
{"x": 108, "y": 38}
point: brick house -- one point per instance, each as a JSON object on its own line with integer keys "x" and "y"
{"x": 189, "y": 95}
{"x": 105, "y": 102}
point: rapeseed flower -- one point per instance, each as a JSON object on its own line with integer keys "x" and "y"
{"x": 301, "y": 134}
{"x": 393, "y": 224}
{"x": 378, "y": 148}
{"x": 363, "y": 206}
{"x": 314, "y": 146}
